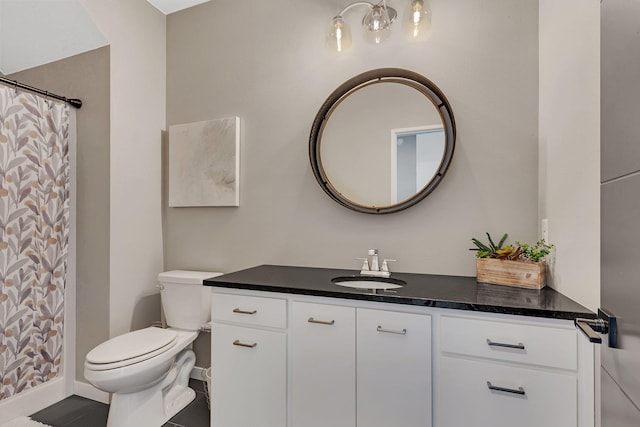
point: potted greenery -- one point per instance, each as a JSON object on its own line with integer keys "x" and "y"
{"x": 521, "y": 265}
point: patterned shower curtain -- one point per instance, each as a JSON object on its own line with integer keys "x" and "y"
{"x": 34, "y": 229}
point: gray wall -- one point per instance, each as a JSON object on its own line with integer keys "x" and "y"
{"x": 86, "y": 76}
{"x": 267, "y": 63}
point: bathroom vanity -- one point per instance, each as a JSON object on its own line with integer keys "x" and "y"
{"x": 292, "y": 349}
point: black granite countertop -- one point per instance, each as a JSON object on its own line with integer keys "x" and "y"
{"x": 455, "y": 292}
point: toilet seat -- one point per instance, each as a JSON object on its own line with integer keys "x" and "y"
{"x": 130, "y": 348}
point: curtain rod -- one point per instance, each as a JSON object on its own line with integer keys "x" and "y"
{"x": 71, "y": 101}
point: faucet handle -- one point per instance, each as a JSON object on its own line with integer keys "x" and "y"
{"x": 365, "y": 264}
{"x": 385, "y": 266}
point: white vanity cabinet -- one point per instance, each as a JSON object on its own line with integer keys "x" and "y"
{"x": 249, "y": 361}
{"x": 506, "y": 373}
{"x": 359, "y": 367}
{"x": 522, "y": 397}
{"x": 292, "y": 360}
{"x": 323, "y": 365}
{"x": 394, "y": 369}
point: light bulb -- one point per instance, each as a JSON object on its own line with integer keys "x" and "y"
{"x": 338, "y": 36}
{"x": 377, "y": 23}
{"x": 377, "y": 19}
{"x": 418, "y": 19}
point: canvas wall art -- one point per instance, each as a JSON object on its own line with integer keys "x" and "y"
{"x": 204, "y": 163}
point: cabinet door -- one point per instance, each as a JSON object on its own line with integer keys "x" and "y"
{"x": 323, "y": 383}
{"x": 249, "y": 377}
{"x": 478, "y": 393}
{"x": 394, "y": 369}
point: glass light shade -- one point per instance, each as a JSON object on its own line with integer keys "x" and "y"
{"x": 377, "y": 24}
{"x": 338, "y": 36}
{"x": 417, "y": 19}
{"x": 377, "y": 37}
{"x": 377, "y": 19}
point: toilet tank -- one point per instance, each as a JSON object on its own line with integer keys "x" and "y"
{"x": 185, "y": 301}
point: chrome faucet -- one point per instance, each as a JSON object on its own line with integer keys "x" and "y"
{"x": 371, "y": 265}
{"x": 374, "y": 264}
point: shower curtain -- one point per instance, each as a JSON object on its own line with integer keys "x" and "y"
{"x": 34, "y": 229}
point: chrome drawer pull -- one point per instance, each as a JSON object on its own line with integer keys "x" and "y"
{"x": 321, "y": 322}
{"x": 391, "y": 331}
{"x": 519, "y": 391}
{"x": 237, "y": 310}
{"x": 519, "y": 346}
{"x": 241, "y": 344}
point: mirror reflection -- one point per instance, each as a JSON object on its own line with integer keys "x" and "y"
{"x": 416, "y": 155}
{"x": 359, "y": 146}
{"x": 379, "y": 145}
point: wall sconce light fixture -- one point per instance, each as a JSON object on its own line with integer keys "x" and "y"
{"x": 376, "y": 23}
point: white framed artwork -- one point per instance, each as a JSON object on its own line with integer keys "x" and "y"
{"x": 204, "y": 163}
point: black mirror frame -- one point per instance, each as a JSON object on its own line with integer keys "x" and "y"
{"x": 396, "y": 75}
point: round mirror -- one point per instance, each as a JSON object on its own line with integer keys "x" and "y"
{"x": 382, "y": 141}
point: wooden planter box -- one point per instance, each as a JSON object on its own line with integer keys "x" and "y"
{"x": 530, "y": 275}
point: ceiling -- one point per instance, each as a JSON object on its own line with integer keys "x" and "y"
{"x": 37, "y": 32}
{"x": 170, "y": 6}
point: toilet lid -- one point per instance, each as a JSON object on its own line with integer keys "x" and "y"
{"x": 133, "y": 345}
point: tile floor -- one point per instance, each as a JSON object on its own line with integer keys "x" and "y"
{"x": 76, "y": 411}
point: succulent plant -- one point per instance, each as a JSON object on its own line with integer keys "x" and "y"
{"x": 523, "y": 251}
{"x": 491, "y": 250}
{"x": 535, "y": 252}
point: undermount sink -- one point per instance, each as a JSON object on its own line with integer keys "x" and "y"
{"x": 366, "y": 282}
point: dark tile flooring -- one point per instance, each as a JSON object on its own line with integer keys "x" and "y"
{"x": 76, "y": 411}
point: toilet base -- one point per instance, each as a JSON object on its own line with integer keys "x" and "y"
{"x": 153, "y": 407}
{"x": 179, "y": 402}
{"x": 145, "y": 411}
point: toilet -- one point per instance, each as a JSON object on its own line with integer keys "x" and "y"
{"x": 147, "y": 371}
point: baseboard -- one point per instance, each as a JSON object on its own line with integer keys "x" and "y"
{"x": 197, "y": 373}
{"x": 90, "y": 392}
{"x": 32, "y": 400}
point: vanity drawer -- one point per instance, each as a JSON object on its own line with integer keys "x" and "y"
{"x": 510, "y": 341}
{"x": 537, "y": 398}
{"x": 258, "y": 311}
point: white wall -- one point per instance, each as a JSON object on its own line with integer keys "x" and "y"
{"x": 569, "y": 132}
{"x": 136, "y": 33}
{"x": 274, "y": 71}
